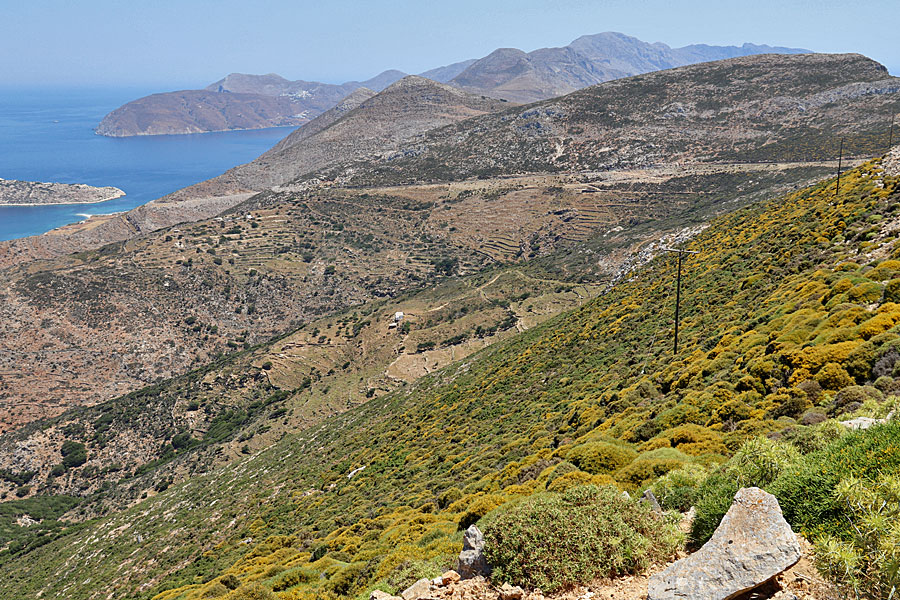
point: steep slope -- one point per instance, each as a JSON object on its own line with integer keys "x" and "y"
{"x": 760, "y": 108}
{"x": 198, "y": 111}
{"x": 376, "y": 126}
{"x": 512, "y": 74}
{"x": 794, "y": 293}
{"x": 122, "y": 316}
{"x": 238, "y": 101}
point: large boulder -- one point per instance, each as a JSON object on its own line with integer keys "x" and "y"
{"x": 471, "y": 560}
{"x": 752, "y": 545}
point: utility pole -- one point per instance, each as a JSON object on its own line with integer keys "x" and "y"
{"x": 891, "y": 137}
{"x": 837, "y": 191}
{"x": 681, "y": 254}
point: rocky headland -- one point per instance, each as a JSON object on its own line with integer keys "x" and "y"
{"x": 36, "y": 193}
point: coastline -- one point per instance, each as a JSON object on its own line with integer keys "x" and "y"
{"x": 199, "y": 132}
{"x": 114, "y": 194}
{"x": 2, "y": 204}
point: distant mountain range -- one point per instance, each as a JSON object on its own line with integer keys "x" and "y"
{"x": 241, "y": 101}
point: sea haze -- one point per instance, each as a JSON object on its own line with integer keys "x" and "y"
{"x": 47, "y": 135}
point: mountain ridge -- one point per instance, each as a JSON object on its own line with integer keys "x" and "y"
{"x": 537, "y": 75}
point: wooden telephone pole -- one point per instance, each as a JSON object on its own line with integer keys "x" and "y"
{"x": 837, "y": 190}
{"x": 681, "y": 254}
{"x": 891, "y": 136}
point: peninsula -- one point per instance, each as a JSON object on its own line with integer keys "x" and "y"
{"x": 36, "y": 193}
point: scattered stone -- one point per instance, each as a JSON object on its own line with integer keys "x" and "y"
{"x": 419, "y": 589}
{"x": 450, "y": 577}
{"x": 891, "y": 163}
{"x": 471, "y": 560}
{"x": 865, "y": 422}
{"x": 752, "y": 545}
{"x": 649, "y": 498}
{"x": 511, "y": 592}
{"x": 379, "y": 595}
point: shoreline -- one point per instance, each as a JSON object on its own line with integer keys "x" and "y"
{"x": 2, "y": 204}
{"x": 205, "y": 131}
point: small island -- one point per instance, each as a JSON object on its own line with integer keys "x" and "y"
{"x": 36, "y": 193}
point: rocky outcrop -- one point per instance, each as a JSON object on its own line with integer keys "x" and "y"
{"x": 29, "y": 193}
{"x": 472, "y": 561}
{"x": 752, "y": 545}
{"x": 891, "y": 162}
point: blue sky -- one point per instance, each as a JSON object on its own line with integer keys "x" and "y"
{"x": 169, "y": 44}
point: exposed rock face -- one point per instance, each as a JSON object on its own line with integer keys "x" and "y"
{"x": 471, "y": 560}
{"x": 13, "y": 193}
{"x": 752, "y": 545}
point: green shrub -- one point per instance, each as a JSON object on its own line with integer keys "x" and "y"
{"x": 643, "y": 469}
{"x": 252, "y": 592}
{"x": 449, "y": 496}
{"x": 865, "y": 293}
{"x": 348, "y": 579}
{"x": 853, "y": 397}
{"x": 74, "y": 454}
{"x": 679, "y": 489}
{"x": 216, "y": 590}
{"x": 552, "y": 541}
{"x": 833, "y": 377}
{"x": 714, "y": 500}
{"x": 600, "y": 457}
{"x": 806, "y": 490}
{"x": 867, "y": 565}
{"x": 477, "y": 509}
{"x": 759, "y": 462}
{"x": 294, "y": 577}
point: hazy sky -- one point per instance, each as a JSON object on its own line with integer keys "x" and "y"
{"x": 172, "y": 44}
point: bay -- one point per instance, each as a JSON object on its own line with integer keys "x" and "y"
{"x": 47, "y": 135}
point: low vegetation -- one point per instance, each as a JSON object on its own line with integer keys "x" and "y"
{"x": 789, "y": 326}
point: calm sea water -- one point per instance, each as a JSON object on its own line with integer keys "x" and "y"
{"x": 47, "y": 135}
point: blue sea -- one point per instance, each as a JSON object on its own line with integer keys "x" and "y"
{"x": 47, "y": 135}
